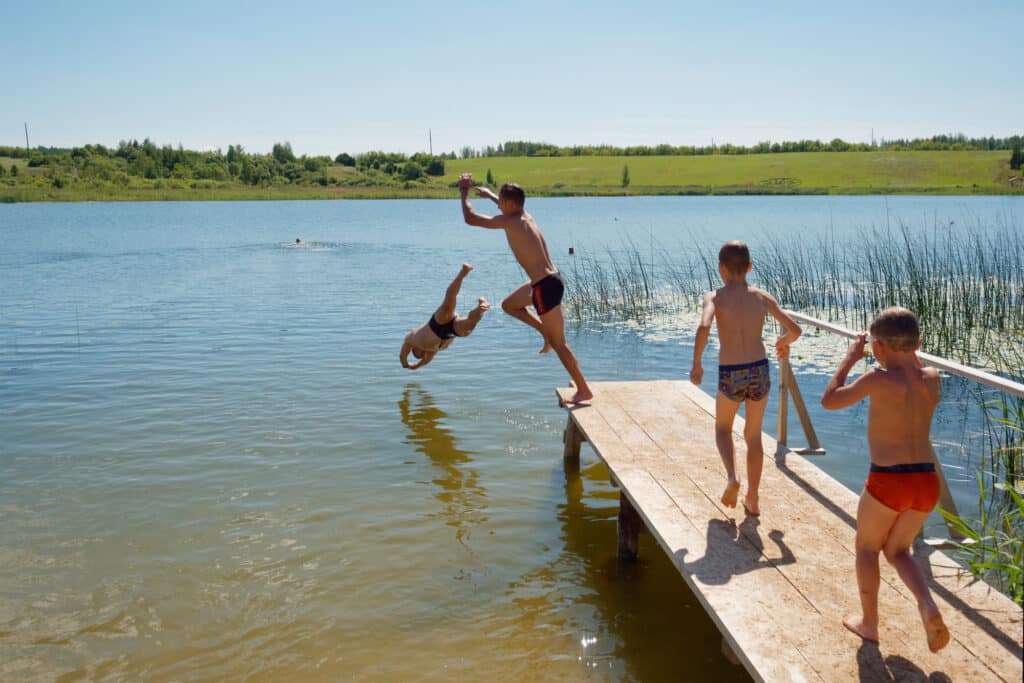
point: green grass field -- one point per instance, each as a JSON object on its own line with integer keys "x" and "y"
{"x": 809, "y": 172}
{"x": 792, "y": 173}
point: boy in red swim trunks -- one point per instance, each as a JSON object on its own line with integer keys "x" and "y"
{"x": 902, "y": 486}
{"x": 544, "y": 289}
{"x": 444, "y": 325}
{"x": 743, "y": 375}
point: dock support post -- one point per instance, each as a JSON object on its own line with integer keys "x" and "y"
{"x": 630, "y": 525}
{"x": 572, "y": 437}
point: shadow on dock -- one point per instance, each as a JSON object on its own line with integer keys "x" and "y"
{"x": 874, "y": 669}
{"x": 724, "y": 538}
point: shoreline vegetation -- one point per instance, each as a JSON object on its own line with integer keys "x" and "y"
{"x": 966, "y": 284}
{"x": 134, "y": 171}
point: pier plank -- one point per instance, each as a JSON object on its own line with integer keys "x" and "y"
{"x": 778, "y": 595}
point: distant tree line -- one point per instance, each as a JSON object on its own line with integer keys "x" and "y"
{"x": 132, "y": 159}
{"x": 958, "y": 142}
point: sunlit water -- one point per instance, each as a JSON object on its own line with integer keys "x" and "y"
{"x": 212, "y": 466}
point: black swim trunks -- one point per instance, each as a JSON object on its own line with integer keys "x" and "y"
{"x": 547, "y": 293}
{"x": 446, "y": 331}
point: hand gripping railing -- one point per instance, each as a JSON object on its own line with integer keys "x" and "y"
{"x": 788, "y": 388}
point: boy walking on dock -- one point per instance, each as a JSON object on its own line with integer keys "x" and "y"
{"x": 902, "y": 486}
{"x": 743, "y": 375}
{"x": 544, "y": 289}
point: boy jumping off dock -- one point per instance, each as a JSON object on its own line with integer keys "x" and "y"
{"x": 444, "y": 325}
{"x": 544, "y": 289}
{"x": 902, "y": 486}
{"x": 743, "y": 376}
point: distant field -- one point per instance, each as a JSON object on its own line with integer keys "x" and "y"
{"x": 832, "y": 172}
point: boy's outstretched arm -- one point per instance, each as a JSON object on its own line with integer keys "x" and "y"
{"x": 707, "y": 316}
{"x": 487, "y": 193}
{"x": 837, "y": 395}
{"x": 427, "y": 357}
{"x": 404, "y": 353}
{"x": 468, "y": 214}
{"x": 792, "y": 330}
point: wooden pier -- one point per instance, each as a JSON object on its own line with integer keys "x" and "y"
{"x": 777, "y": 586}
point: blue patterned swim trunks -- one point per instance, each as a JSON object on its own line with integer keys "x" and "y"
{"x": 745, "y": 381}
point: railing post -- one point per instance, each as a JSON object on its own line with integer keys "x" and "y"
{"x": 813, "y": 446}
{"x": 781, "y": 430}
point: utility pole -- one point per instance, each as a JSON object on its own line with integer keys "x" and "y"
{"x": 430, "y": 133}
{"x": 26, "y": 136}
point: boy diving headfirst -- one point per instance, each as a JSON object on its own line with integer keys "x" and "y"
{"x": 544, "y": 289}
{"x": 444, "y": 325}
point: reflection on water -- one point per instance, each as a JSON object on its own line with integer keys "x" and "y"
{"x": 633, "y": 620}
{"x": 463, "y": 499}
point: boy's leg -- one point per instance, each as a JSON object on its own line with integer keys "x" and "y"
{"x": 446, "y": 311}
{"x": 725, "y": 414}
{"x": 553, "y": 327}
{"x": 874, "y": 522}
{"x": 755, "y": 452}
{"x": 465, "y": 326}
{"x": 517, "y": 304}
{"x": 897, "y": 552}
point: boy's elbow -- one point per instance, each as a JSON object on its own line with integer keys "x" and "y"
{"x": 828, "y": 402}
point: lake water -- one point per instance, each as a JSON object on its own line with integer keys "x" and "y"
{"x": 212, "y": 466}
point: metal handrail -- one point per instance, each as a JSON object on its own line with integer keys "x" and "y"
{"x": 979, "y": 376}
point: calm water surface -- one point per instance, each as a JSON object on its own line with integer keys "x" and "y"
{"x": 212, "y": 466}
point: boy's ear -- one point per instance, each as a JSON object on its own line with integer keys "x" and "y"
{"x": 749, "y": 266}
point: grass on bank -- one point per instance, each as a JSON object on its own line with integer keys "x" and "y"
{"x": 881, "y": 172}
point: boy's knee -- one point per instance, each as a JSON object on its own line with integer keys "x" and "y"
{"x": 508, "y": 306}
{"x": 892, "y": 555}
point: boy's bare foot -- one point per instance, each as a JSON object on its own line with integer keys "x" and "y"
{"x": 750, "y": 505}
{"x": 580, "y": 397}
{"x": 466, "y": 267}
{"x": 482, "y": 304}
{"x": 732, "y": 492}
{"x": 934, "y": 628}
{"x": 856, "y": 625}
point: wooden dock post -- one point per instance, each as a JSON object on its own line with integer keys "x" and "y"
{"x": 630, "y": 525}
{"x": 572, "y": 437}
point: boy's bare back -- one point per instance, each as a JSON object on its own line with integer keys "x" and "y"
{"x": 902, "y": 404}
{"x": 740, "y": 311}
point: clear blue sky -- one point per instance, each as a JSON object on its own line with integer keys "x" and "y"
{"x": 343, "y": 76}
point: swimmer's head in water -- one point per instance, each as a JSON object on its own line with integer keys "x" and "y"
{"x": 298, "y": 241}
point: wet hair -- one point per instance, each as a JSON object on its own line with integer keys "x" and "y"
{"x": 898, "y": 328}
{"x": 735, "y": 256}
{"x": 513, "y": 192}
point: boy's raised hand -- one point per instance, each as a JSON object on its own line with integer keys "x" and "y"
{"x": 465, "y": 182}
{"x": 858, "y": 349}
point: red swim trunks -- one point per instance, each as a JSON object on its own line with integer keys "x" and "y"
{"x": 904, "y": 487}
